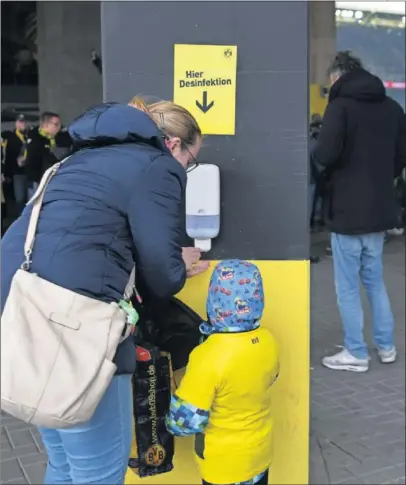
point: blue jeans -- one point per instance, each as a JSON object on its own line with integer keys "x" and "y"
{"x": 32, "y": 188}
{"x": 354, "y": 257}
{"x": 312, "y": 193}
{"x": 316, "y": 204}
{"x": 20, "y": 191}
{"x": 98, "y": 451}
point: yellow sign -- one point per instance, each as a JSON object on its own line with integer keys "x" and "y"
{"x": 205, "y": 84}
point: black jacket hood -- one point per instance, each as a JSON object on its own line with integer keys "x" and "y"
{"x": 358, "y": 84}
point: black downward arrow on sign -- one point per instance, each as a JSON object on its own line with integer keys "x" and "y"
{"x": 204, "y": 107}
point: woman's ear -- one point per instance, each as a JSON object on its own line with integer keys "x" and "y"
{"x": 173, "y": 143}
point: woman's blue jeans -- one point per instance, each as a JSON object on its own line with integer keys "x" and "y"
{"x": 98, "y": 451}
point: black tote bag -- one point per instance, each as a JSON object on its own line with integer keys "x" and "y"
{"x": 151, "y": 399}
{"x": 173, "y": 327}
{"x": 164, "y": 338}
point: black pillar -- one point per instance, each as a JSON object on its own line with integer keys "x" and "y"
{"x": 264, "y": 171}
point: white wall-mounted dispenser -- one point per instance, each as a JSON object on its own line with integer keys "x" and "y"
{"x": 203, "y": 205}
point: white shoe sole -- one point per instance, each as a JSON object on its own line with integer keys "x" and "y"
{"x": 395, "y": 232}
{"x": 347, "y": 367}
{"x": 388, "y": 360}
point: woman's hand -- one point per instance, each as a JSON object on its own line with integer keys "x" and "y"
{"x": 199, "y": 267}
{"x": 191, "y": 257}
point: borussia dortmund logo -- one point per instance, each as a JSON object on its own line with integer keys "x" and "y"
{"x": 155, "y": 455}
{"x": 228, "y": 53}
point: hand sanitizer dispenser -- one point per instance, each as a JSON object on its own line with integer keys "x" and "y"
{"x": 203, "y": 205}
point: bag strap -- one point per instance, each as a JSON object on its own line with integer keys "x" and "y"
{"x": 130, "y": 289}
{"x": 36, "y": 201}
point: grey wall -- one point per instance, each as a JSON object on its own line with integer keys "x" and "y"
{"x": 264, "y": 166}
{"x": 67, "y": 33}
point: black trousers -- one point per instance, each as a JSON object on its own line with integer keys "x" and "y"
{"x": 3, "y": 218}
{"x": 263, "y": 481}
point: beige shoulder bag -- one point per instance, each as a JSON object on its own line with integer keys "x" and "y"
{"x": 57, "y": 346}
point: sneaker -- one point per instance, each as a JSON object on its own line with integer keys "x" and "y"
{"x": 395, "y": 232}
{"x": 387, "y": 356}
{"x": 345, "y": 361}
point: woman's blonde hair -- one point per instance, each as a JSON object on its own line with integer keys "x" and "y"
{"x": 171, "y": 119}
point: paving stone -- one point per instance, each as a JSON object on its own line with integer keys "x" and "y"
{"x": 399, "y": 481}
{"x": 20, "y": 437}
{"x": 14, "y": 424}
{"x": 11, "y": 470}
{"x": 350, "y": 404}
{"x": 317, "y": 465}
{"x": 38, "y": 439}
{"x": 397, "y": 456}
{"x": 34, "y": 458}
{"x": 358, "y": 451}
{"x": 389, "y": 448}
{"x": 385, "y": 475}
{"x": 28, "y": 449}
{"x": 370, "y": 467}
{"x": 18, "y": 481}
{"x": 5, "y": 443}
{"x": 4, "y": 435}
{"x": 354, "y": 481}
{"x": 338, "y": 393}
{"x": 373, "y": 406}
{"x": 338, "y": 474}
{"x": 35, "y": 472}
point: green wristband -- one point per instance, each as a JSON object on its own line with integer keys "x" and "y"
{"x": 132, "y": 314}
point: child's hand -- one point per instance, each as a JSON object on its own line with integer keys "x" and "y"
{"x": 198, "y": 268}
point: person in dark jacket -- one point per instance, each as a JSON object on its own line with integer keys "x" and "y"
{"x": 63, "y": 144}
{"x": 362, "y": 145}
{"x": 115, "y": 201}
{"x": 2, "y": 196}
{"x": 41, "y": 146}
{"x": 315, "y": 173}
{"x": 15, "y": 153}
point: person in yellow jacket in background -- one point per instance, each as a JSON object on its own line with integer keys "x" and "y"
{"x": 225, "y": 397}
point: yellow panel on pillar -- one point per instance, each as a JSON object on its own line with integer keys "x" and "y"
{"x": 286, "y": 285}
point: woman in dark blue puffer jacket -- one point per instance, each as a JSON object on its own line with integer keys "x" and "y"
{"x": 116, "y": 201}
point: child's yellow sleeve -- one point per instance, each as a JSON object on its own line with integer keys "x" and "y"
{"x": 198, "y": 386}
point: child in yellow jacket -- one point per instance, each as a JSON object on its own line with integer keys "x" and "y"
{"x": 225, "y": 397}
